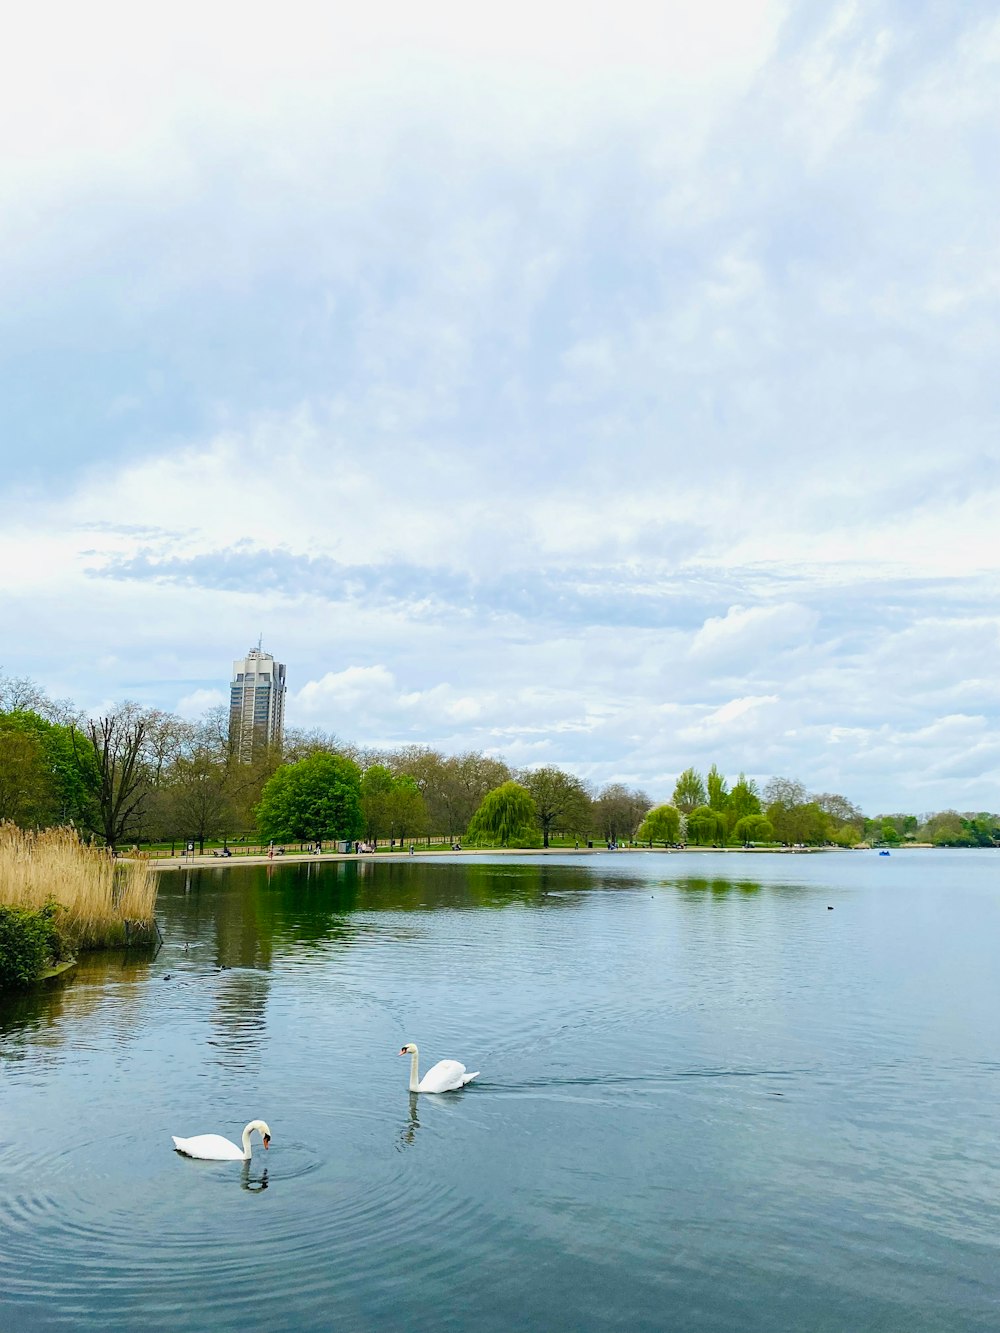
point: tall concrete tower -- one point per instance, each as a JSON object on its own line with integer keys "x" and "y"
{"x": 256, "y": 705}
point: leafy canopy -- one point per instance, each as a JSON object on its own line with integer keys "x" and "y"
{"x": 506, "y": 817}
{"x": 661, "y": 825}
{"x": 390, "y": 804}
{"x": 706, "y": 827}
{"x": 561, "y": 801}
{"x": 318, "y": 798}
{"x": 689, "y": 792}
{"x": 43, "y": 780}
{"x": 744, "y": 799}
{"x": 718, "y": 789}
{"x": 753, "y": 828}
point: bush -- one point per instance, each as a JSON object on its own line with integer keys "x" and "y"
{"x": 29, "y": 942}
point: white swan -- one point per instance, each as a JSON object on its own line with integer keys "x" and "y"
{"x": 214, "y": 1148}
{"x": 445, "y": 1076}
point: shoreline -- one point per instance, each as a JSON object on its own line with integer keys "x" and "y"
{"x": 201, "y": 862}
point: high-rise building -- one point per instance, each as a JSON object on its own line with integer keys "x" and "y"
{"x": 256, "y": 705}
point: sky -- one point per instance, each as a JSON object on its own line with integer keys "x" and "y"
{"x": 603, "y": 385}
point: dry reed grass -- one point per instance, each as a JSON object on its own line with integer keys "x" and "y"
{"x": 105, "y": 901}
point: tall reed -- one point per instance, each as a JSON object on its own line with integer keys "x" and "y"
{"x": 104, "y": 901}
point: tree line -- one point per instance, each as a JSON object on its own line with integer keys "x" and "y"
{"x": 139, "y": 775}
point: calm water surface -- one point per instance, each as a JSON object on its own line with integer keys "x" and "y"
{"x": 706, "y": 1102}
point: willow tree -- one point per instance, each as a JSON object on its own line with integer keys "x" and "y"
{"x": 753, "y": 828}
{"x": 706, "y": 827}
{"x": 506, "y": 816}
{"x": 661, "y": 825}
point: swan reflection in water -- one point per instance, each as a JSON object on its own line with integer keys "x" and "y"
{"x": 409, "y": 1132}
{"x": 252, "y": 1183}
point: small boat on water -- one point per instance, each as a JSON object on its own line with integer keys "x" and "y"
{"x": 883, "y": 853}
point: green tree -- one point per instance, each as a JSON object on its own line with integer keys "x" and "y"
{"x": 706, "y": 827}
{"x": 562, "y": 803}
{"x": 944, "y": 829}
{"x": 795, "y": 817}
{"x": 470, "y": 777}
{"x": 744, "y": 799}
{"x": 407, "y": 808}
{"x": 318, "y": 798}
{"x": 426, "y": 767}
{"x": 718, "y": 790}
{"x": 753, "y": 828}
{"x": 506, "y": 817}
{"x": 245, "y": 783}
{"x": 662, "y": 824}
{"x": 376, "y": 797}
{"x": 392, "y": 806}
{"x": 26, "y": 787}
{"x": 982, "y": 829}
{"x": 805, "y": 823}
{"x": 452, "y": 787}
{"x": 197, "y": 799}
{"x": 63, "y": 783}
{"x": 689, "y": 791}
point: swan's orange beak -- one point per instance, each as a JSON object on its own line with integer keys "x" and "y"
{"x": 403, "y": 1051}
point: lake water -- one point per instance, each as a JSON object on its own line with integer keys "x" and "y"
{"x": 706, "y": 1102}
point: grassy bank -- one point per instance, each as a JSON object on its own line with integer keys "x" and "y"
{"x": 101, "y": 902}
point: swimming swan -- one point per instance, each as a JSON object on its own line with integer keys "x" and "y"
{"x": 214, "y": 1148}
{"x": 445, "y": 1076}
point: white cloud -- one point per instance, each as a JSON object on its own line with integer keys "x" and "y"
{"x": 611, "y": 388}
{"x": 344, "y": 690}
{"x": 198, "y": 702}
{"x": 752, "y": 630}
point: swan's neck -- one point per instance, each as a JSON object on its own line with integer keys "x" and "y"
{"x": 414, "y": 1072}
{"x": 246, "y": 1144}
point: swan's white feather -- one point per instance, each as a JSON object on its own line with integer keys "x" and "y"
{"x": 445, "y": 1076}
{"x": 213, "y": 1147}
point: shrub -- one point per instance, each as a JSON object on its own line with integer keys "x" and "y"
{"x": 29, "y": 942}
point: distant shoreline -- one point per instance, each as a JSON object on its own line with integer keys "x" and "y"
{"x": 201, "y": 862}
